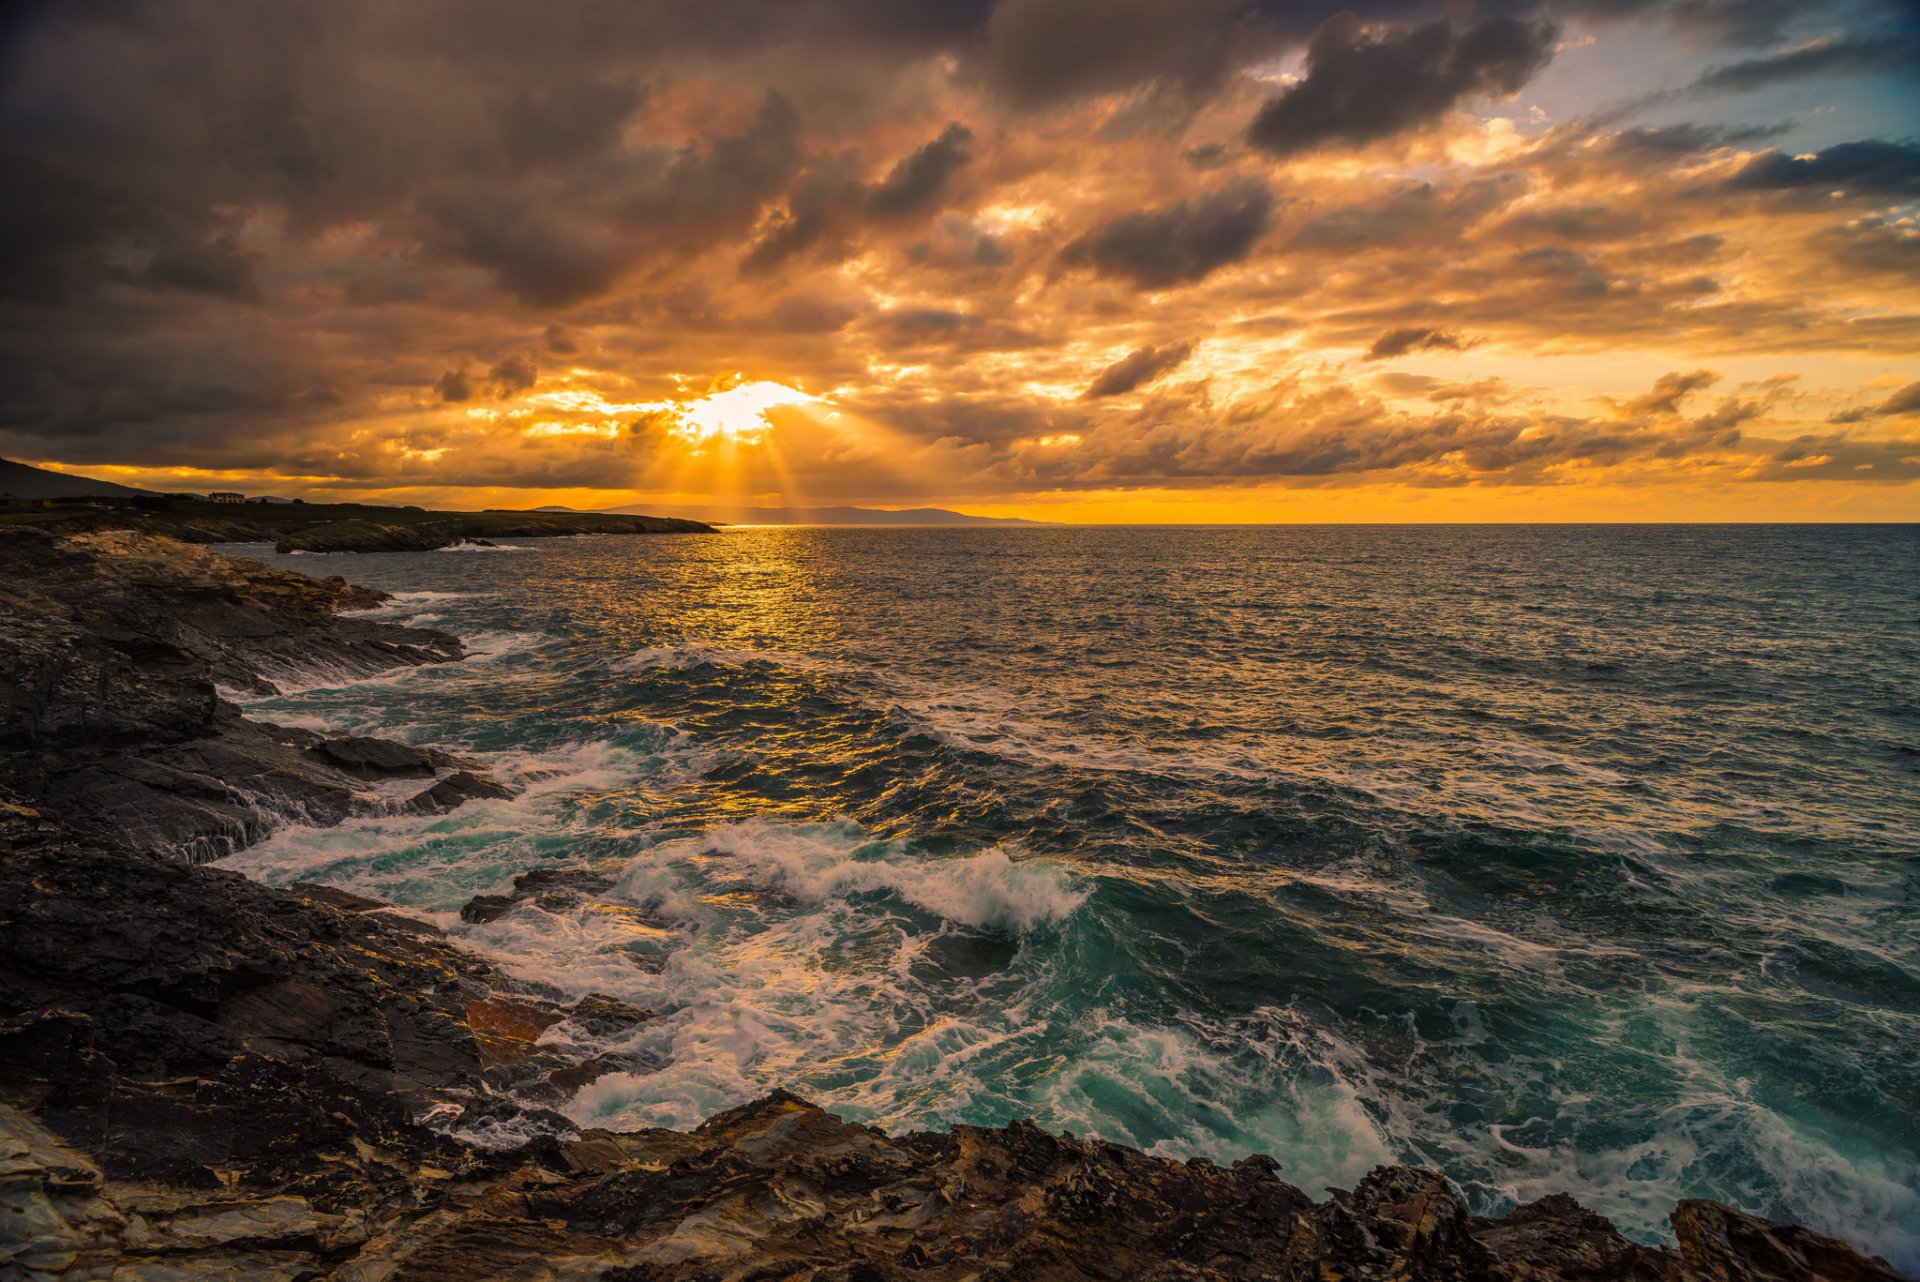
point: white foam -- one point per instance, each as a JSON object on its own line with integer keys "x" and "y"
{"x": 484, "y": 547}
{"x": 814, "y": 863}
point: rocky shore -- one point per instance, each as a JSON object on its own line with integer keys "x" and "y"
{"x": 327, "y": 527}
{"x": 203, "y": 1077}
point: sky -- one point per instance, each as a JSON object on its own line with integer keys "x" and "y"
{"x": 1075, "y": 260}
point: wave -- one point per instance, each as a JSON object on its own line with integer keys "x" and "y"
{"x": 693, "y": 655}
{"x": 814, "y": 863}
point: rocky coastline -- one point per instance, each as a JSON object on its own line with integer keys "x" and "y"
{"x": 201, "y": 1076}
{"x": 325, "y": 527}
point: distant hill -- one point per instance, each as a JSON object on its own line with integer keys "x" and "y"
{"x": 18, "y": 481}
{"x": 728, "y": 514}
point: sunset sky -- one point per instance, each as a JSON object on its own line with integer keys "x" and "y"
{"x": 1080, "y": 260}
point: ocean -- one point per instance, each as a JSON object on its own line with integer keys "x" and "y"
{"x": 1560, "y": 858}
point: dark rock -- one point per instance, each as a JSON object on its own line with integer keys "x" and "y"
{"x": 554, "y": 889}
{"x": 1556, "y": 1237}
{"x": 485, "y": 908}
{"x": 1720, "y": 1244}
{"x": 367, "y": 758}
{"x": 455, "y": 790}
{"x": 335, "y": 896}
{"x": 598, "y": 1015}
{"x": 113, "y": 647}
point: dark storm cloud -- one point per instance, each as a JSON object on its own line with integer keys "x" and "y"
{"x": 1880, "y": 52}
{"x": 1043, "y": 53}
{"x": 1398, "y": 342}
{"x": 219, "y": 268}
{"x": 917, "y": 181}
{"x": 515, "y": 373}
{"x": 828, "y": 206}
{"x": 1872, "y": 167}
{"x": 551, "y": 125}
{"x": 1181, "y": 242}
{"x": 455, "y": 386}
{"x": 1138, "y": 368}
{"x": 1364, "y": 85}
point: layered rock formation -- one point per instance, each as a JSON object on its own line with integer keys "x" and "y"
{"x": 202, "y": 1077}
{"x": 116, "y": 648}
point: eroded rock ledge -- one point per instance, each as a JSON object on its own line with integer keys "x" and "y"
{"x": 114, "y": 652}
{"x": 203, "y": 1077}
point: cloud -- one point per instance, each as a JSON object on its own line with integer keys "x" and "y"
{"x": 1364, "y": 84}
{"x": 1871, "y": 167}
{"x": 454, "y": 386}
{"x": 829, "y": 205}
{"x": 1182, "y": 242}
{"x": 1398, "y": 342}
{"x": 1137, "y": 368}
{"x": 511, "y": 374}
{"x": 1405, "y": 215}
{"x": 1669, "y": 390}
{"x": 917, "y": 181}
{"x": 1871, "y": 53}
{"x": 363, "y": 245}
{"x": 1040, "y": 54}
{"x": 1903, "y": 402}
{"x": 1666, "y": 141}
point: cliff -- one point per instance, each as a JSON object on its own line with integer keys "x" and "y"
{"x": 204, "y": 1077}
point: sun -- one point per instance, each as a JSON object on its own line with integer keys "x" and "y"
{"x": 736, "y": 413}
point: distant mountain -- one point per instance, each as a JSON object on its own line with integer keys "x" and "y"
{"x": 728, "y": 514}
{"x": 18, "y": 481}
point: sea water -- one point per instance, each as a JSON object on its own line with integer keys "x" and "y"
{"x": 1577, "y": 859}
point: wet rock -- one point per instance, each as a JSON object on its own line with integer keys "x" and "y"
{"x": 369, "y": 758}
{"x": 597, "y": 1015}
{"x": 113, "y": 651}
{"x": 454, "y": 791}
{"x": 553, "y": 889}
{"x": 486, "y": 908}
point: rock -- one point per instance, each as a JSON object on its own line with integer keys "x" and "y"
{"x": 553, "y": 889}
{"x": 598, "y": 1015}
{"x": 1556, "y": 1237}
{"x": 455, "y": 790}
{"x": 113, "y": 649}
{"x": 368, "y": 758}
{"x": 1720, "y": 1244}
{"x": 486, "y": 908}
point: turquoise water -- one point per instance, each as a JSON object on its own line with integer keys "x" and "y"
{"x": 1560, "y": 858}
